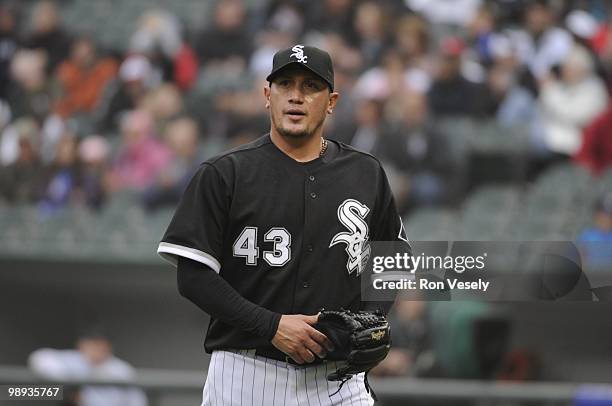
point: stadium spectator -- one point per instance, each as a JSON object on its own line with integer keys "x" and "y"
{"x": 541, "y": 45}
{"x": 413, "y": 147}
{"x": 226, "y": 42}
{"x": 412, "y": 38}
{"x": 92, "y": 359}
{"x": 82, "y": 78}
{"x": 93, "y": 157}
{"x": 368, "y": 125}
{"x": 182, "y": 135}
{"x": 512, "y": 104}
{"x": 285, "y": 16}
{"x": 31, "y": 93}
{"x": 47, "y": 34}
{"x": 159, "y": 36}
{"x": 9, "y": 138}
{"x": 164, "y": 103}
{"x": 284, "y": 22}
{"x": 21, "y": 182}
{"x": 584, "y": 28}
{"x": 602, "y": 40}
{"x": 135, "y": 80}
{"x": 371, "y": 34}
{"x": 241, "y": 118}
{"x": 332, "y": 16}
{"x": 446, "y": 13}
{"x": 347, "y": 66}
{"x": 185, "y": 68}
{"x": 390, "y": 80}
{"x": 481, "y": 34}
{"x": 141, "y": 156}
{"x": 595, "y": 242}
{"x": 61, "y": 177}
{"x": 451, "y": 94}
{"x": 267, "y": 43}
{"x": 596, "y": 150}
{"x": 569, "y": 103}
{"x": 5, "y": 118}
{"x": 9, "y": 43}
{"x": 603, "y": 49}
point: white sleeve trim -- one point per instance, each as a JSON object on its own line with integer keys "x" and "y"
{"x": 169, "y": 252}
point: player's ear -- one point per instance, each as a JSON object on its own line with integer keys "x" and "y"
{"x": 267, "y": 96}
{"x": 333, "y": 99}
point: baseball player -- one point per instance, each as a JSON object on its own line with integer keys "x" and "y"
{"x": 268, "y": 234}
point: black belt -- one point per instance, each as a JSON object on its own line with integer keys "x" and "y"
{"x": 277, "y": 355}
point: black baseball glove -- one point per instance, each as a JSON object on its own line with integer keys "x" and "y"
{"x": 361, "y": 339}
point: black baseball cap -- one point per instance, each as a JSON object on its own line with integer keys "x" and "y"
{"x": 314, "y": 59}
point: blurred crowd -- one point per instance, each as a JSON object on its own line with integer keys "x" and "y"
{"x": 92, "y": 359}
{"x": 80, "y": 122}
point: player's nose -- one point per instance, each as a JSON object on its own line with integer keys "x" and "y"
{"x": 296, "y": 95}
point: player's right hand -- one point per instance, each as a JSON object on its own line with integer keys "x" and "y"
{"x": 297, "y": 338}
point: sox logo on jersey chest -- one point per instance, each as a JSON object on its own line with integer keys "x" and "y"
{"x": 351, "y": 214}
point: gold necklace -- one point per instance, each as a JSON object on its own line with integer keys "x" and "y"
{"x": 323, "y": 146}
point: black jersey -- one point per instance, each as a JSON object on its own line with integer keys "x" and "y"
{"x": 288, "y": 236}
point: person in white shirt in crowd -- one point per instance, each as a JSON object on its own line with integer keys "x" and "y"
{"x": 93, "y": 359}
{"x": 446, "y": 12}
{"x": 570, "y": 102}
{"x": 541, "y": 45}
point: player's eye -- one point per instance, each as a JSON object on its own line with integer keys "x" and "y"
{"x": 283, "y": 82}
{"x": 313, "y": 85}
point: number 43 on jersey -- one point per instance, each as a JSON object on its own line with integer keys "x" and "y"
{"x": 246, "y": 247}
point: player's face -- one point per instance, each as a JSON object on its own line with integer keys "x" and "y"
{"x": 299, "y": 101}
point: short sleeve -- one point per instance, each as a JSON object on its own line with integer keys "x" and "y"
{"x": 196, "y": 229}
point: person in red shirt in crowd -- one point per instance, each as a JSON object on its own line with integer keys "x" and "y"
{"x": 83, "y": 78}
{"x": 596, "y": 150}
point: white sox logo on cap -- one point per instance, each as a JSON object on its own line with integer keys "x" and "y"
{"x": 314, "y": 59}
{"x": 298, "y": 52}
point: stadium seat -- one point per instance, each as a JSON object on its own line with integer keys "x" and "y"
{"x": 604, "y": 182}
{"x": 568, "y": 180}
{"x": 493, "y": 199}
{"x": 432, "y": 224}
{"x": 488, "y": 212}
{"x": 457, "y": 134}
{"x": 490, "y": 138}
{"x": 159, "y": 221}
